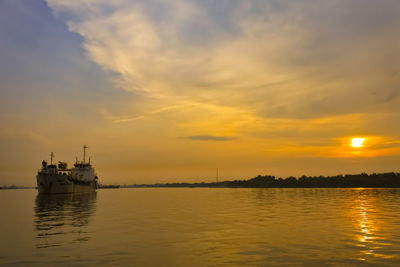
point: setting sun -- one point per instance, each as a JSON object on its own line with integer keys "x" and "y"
{"x": 357, "y": 142}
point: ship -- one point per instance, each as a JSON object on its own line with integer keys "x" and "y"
{"x": 59, "y": 179}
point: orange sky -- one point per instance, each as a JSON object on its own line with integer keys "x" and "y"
{"x": 166, "y": 91}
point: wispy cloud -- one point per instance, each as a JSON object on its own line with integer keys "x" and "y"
{"x": 284, "y": 59}
{"x": 210, "y": 138}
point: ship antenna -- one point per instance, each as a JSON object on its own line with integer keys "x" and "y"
{"x": 217, "y": 175}
{"x": 84, "y": 153}
{"x": 51, "y": 157}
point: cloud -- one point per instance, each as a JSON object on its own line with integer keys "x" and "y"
{"x": 387, "y": 144}
{"x": 277, "y": 58}
{"x": 210, "y": 138}
{"x": 258, "y": 69}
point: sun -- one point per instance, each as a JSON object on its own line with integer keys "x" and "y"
{"x": 357, "y": 142}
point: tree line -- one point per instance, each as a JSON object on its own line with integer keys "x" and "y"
{"x": 380, "y": 180}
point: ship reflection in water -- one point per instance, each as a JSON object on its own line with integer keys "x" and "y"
{"x": 63, "y": 218}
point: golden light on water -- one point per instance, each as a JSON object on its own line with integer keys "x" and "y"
{"x": 372, "y": 240}
{"x": 357, "y": 142}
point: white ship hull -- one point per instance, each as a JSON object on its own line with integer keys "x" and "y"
{"x": 61, "y": 184}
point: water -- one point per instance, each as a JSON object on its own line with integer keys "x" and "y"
{"x": 201, "y": 227}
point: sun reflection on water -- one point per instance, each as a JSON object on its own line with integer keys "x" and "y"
{"x": 370, "y": 237}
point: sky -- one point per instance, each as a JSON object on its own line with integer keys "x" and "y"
{"x": 168, "y": 91}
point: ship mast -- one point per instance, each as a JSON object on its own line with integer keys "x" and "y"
{"x": 84, "y": 153}
{"x": 51, "y": 158}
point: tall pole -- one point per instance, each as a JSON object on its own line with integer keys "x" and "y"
{"x": 84, "y": 153}
{"x": 217, "y": 174}
{"x": 51, "y": 158}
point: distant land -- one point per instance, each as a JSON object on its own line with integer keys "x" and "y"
{"x": 15, "y": 187}
{"x": 380, "y": 180}
{"x": 374, "y": 180}
{"x": 101, "y": 186}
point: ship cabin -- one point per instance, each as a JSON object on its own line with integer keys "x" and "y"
{"x": 84, "y": 171}
{"x": 53, "y": 169}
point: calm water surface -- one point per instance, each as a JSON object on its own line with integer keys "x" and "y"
{"x": 201, "y": 227}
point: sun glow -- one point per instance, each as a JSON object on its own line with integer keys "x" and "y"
{"x": 357, "y": 142}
